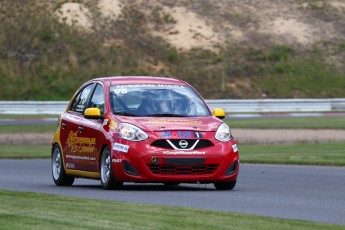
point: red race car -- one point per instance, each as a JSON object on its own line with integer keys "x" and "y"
{"x": 144, "y": 130}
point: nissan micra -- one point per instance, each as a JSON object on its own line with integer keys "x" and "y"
{"x": 143, "y": 130}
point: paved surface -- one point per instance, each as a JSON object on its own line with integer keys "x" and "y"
{"x": 299, "y": 192}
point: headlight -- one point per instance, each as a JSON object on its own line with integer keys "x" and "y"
{"x": 223, "y": 133}
{"x": 131, "y": 132}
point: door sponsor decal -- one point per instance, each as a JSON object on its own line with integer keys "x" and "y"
{"x": 121, "y": 147}
{"x": 70, "y": 166}
{"x": 87, "y": 158}
{"x": 80, "y": 144}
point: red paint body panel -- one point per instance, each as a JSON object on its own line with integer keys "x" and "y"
{"x": 159, "y": 158}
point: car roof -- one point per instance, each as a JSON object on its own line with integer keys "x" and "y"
{"x": 120, "y": 80}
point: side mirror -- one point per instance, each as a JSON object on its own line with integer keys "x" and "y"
{"x": 93, "y": 113}
{"x": 217, "y": 112}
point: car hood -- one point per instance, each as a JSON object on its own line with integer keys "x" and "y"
{"x": 204, "y": 124}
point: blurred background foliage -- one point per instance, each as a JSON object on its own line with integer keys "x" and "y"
{"x": 43, "y": 59}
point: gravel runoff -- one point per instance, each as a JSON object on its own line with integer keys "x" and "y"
{"x": 243, "y": 136}
{"x": 288, "y": 136}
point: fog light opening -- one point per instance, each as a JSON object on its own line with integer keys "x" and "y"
{"x": 232, "y": 169}
{"x": 130, "y": 169}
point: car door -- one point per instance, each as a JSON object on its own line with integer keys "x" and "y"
{"x": 71, "y": 136}
{"x": 92, "y": 132}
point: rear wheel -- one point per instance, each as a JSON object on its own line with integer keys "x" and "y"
{"x": 58, "y": 171}
{"x": 225, "y": 185}
{"x": 108, "y": 180}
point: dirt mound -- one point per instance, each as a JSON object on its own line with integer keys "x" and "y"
{"x": 212, "y": 24}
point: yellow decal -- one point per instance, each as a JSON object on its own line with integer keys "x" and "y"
{"x": 95, "y": 175}
{"x": 80, "y": 144}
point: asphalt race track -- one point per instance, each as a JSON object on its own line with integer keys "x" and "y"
{"x": 312, "y": 193}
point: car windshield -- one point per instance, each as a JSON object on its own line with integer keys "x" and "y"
{"x": 157, "y": 100}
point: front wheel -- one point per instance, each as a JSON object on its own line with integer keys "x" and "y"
{"x": 225, "y": 185}
{"x": 108, "y": 180}
{"x": 58, "y": 171}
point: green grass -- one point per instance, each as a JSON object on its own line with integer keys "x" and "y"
{"x": 37, "y": 128}
{"x": 304, "y": 154}
{"x": 26, "y": 116}
{"x": 43, "y": 211}
{"x": 288, "y": 123}
{"x": 28, "y": 128}
{"x": 25, "y": 152}
{"x": 300, "y": 77}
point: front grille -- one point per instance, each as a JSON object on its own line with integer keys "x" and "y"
{"x": 169, "y": 169}
{"x": 162, "y": 143}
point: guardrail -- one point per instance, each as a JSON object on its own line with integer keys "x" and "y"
{"x": 279, "y": 105}
{"x": 229, "y": 105}
{"x": 32, "y": 107}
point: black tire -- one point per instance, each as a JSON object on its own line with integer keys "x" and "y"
{"x": 108, "y": 180}
{"x": 171, "y": 184}
{"x": 58, "y": 170}
{"x": 225, "y": 185}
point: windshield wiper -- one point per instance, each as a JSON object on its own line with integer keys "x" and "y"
{"x": 166, "y": 115}
{"x": 126, "y": 114}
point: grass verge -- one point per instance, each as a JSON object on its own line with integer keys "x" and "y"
{"x": 288, "y": 123}
{"x": 34, "y": 128}
{"x": 305, "y": 154}
{"x": 25, "y": 152}
{"x": 27, "y": 116}
{"x": 331, "y": 154}
{"x": 49, "y": 212}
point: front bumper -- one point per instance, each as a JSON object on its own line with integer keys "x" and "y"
{"x": 145, "y": 163}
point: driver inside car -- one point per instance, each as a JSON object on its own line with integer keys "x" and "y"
{"x": 166, "y": 101}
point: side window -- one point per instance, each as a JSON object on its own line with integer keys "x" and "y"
{"x": 79, "y": 102}
{"x": 97, "y": 100}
